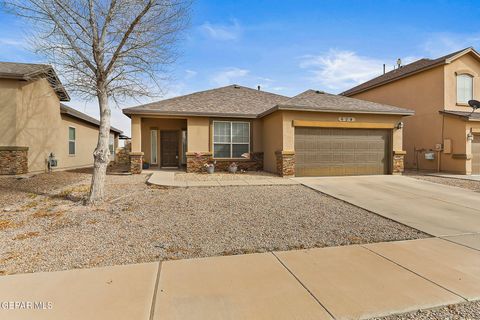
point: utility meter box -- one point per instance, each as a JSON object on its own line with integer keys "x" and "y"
{"x": 429, "y": 155}
{"x": 447, "y": 146}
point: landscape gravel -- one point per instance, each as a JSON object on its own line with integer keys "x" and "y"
{"x": 463, "y": 311}
{"x": 466, "y": 184}
{"x": 53, "y": 230}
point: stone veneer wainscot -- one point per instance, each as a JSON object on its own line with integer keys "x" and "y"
{"x": 13, "y": 160}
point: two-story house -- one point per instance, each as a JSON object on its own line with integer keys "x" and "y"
{"x": 444, "y": 133}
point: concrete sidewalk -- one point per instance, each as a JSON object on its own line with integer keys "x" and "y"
{"x": 351, "y": 282}
{"x": 167, "y": 179}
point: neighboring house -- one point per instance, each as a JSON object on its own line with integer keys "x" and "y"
{"x": 313, "y": 133}
{"x": 444, "y": 134}
{"x": 34, "y": 124}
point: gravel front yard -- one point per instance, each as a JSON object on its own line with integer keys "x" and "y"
{"x": 466, "y": 184}
{"x": 44, "y": 226}
{"x": 463, "y": 311}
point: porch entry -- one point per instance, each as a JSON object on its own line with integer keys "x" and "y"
{"x": 169, "y": 155}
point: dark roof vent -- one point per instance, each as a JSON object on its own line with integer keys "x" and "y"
{"x": 236, "y": 86}
{"x": 318, "y": 91}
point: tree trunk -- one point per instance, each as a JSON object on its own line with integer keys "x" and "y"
{"x": 101, "y": 154}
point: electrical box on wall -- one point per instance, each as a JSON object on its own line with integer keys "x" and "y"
{"x": 447, "y": 146}
{"x": 429, "y": 155}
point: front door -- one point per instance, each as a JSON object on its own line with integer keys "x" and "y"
{"x": 169, "y": 148}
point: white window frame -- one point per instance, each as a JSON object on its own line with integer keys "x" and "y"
{"x": 74, "y": 141}
{"x": 111, "y": 138}
{"x": 231, "y": 138}
{"x": 471, "y": 77}
{"x": 152, "y": 154}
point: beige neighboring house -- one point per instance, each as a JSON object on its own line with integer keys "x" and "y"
{"x": 35, "y": 124}
{"x": 443, "y": 134}
{"x": 311, "y": 134}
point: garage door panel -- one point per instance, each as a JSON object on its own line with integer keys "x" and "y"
{"x": 337, "y": 151}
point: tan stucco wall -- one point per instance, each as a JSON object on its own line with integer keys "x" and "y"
{"x": 272, "y": 140}
{"x": 8, "y": 108}
{"x": 456, "y": 130}
{"x": 465, "y": 64}
{"x": 198, "y": 134}
{"x": 159, "y": 125}
{"x": 35, "y": 121}
{"x": 424, "y": 93}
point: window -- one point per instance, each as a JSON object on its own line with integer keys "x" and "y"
{"x": 153, "y": 146}
{"x": 111, "y": 145}
{"x": 464, "y": 88}
{"x": 230, "y": 139}
{"x": 71, "y": 141}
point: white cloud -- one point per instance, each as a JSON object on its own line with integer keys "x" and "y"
{"x": 13, "y": 42}
{"x": 189, "y": 74}
{"x": 222, "y": 32}
{"x": 338, "y": 70}
{"x": 228, "y": 76}
{"x": 440, "y": 44}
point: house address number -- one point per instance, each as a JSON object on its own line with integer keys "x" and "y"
{"x": 346, "y": 119}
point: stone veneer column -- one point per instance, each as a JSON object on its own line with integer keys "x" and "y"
{"x": 196, "y": 161}
{"x": 398, "y": 162}
{"x": 136, "y": 162}
{"x": 13, "y": 160}
{"x": 285, "y": 163}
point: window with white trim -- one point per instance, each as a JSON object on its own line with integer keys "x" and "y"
{"x": 71, "y": 141}
{"x": 153, "y": 146}
{"x": 464, "y": 88}
{"x": 231, "y": 139}
{"x": 111, "y": 144}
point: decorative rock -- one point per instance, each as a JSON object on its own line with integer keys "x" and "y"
{"x": 136, "y": 162}
{"x": 398, "y": 162}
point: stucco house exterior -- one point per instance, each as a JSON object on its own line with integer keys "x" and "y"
{"x": 444, "y": 134}
{"x": 34, "y": 123}
{"x": 311, "y": 134}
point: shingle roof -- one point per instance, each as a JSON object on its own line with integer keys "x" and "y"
{"x": 229, "y": 101}
{"x": 475, "y": 116}
{"x": 64, "y": 109}
{"x": 404, "y": 71}
{"x": 29, "y": 71}
{"x": 312, "y": 100}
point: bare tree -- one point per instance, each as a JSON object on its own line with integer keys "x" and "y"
{"x": 110, "y": 50}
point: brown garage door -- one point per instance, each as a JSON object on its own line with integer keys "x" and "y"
{"x": 340, "y": 152}
{"x": 476, "y": 155}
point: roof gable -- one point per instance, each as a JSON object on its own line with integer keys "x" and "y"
{"x": 31, "y": 71}
{"x": 233, "y": 101}
{"x": 319, "y": 101}
{"x": 408, "y": 70}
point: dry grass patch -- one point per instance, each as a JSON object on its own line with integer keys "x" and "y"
{"x": 6, "y": 224}
{"x": 27, "y": 235}
{"x": 42, "y": 213}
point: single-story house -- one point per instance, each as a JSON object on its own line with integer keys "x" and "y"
{"x": 311, "y": 134}
{"x": 444, "y": 133}
{"x": 35, "y": 124}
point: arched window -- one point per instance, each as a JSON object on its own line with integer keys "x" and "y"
{"x": 464, "y": 88}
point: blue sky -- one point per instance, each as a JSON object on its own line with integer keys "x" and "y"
{"x": 289, "y": 46}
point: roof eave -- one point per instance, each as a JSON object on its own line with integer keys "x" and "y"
{"x": 296, "y": 108}
{"x": 129, "y": 112}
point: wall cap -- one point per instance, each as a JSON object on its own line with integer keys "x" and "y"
{"x": 285, "y": 152}
{"x": 13, "y": 148}
{"x": 136, "y": 153}
{"x": 399, "y": 152}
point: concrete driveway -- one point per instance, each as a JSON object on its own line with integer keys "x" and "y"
{"x": 436, "y": 209}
